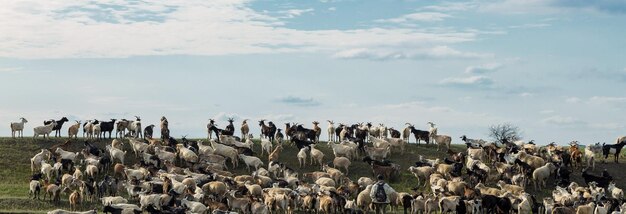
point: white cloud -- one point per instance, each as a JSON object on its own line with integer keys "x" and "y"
{"x": 296, "y": 12}
{"x": 485, "y": 68}
{"x": 332, "y": 9}
{"x": 611, "y": 126}
{"x": 417, "y": 17}
{"x": 530, "y": 25}
{"x": 526, "y": 94}
{"x": 607, "y": 100}
{"x": 562, "y": 120}
{"x": 572, "y": 100}
{"x": 451, "y": 6}
{"x": 471, "y": 81}
{"x": 74, "y": 29}
{"x": 547, "y": 111}
{"x": 438, "y": 52}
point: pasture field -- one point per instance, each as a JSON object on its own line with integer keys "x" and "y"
{"x": 15, "y": 171}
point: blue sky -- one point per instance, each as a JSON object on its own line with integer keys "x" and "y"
{"x": 555, "y": 68}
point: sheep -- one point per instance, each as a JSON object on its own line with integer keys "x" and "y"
{"x": 442, "y": 140}
{"x": 302, "y": 156}
{"x": 541, "y": 174}
{"x": 331, "y": 131}
{"x": 116, "y": 154}
{"x": 251, "y": 161}
{"x": 113, "y": 200}
{"x": 316, "y": 156}
{"x": 35, "y": 161}
{"x": 35, "y": 189}
{"x": 616, "y": 193}
{"x": 44, "y": 130}
{"x": 342, "y": 162}
{"x": 18, "y": 127}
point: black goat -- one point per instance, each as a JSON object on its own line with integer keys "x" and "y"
{"x": 371, "y": 161}
{"x": 107, "y": 127}
{"x": 601, "y": 181}
{"x": 420, "y": 135}
{"x": 58, "y": 126}
{"x": 269, "y": 131}
{"x": 302, "y": 143}
{"x": 230, "y": 128}
{"x": 91, "y": 148}
{"x": 394, "y": 133}
{"x": 614, "y": 149}
{"x": 148, "y": 131}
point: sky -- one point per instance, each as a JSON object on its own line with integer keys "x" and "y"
{"x": 554, "y": 68}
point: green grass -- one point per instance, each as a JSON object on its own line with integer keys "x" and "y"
{"x": 15, "y": 171}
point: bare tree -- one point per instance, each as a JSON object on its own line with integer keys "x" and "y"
{"x": 504, "y": 133}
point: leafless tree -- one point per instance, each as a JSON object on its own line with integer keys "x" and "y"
{"x": 504, "y": 133}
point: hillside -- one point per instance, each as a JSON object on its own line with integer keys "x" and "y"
{"x": 15, "y": 169}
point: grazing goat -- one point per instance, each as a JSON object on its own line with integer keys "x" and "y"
{"x": 18, "y": 127}
{"x": 44, "y": 130}
{"x": 444, "y": 140}
{"x": 58, "y": 126}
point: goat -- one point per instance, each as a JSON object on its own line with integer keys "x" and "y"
{"x": 442, "y": 140}
{"x": 331, "y": 131}
{"x": 134, "y": 127}
{"x": 58, "y": 126}
{"x": 245, "y": 129}
{"x": 107, "y": 127}
{"x": 121, "y": 127}
{"x": 420, "y": 135}
{"x": 18, "y": 127}
{"x": 268, "y": 131}
{"x": 73, "y": 130}
{"x": 44, "y": 130}
{"x": 614, "y": 149}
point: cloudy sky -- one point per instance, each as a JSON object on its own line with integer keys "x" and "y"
{"x": 555, "y": 68}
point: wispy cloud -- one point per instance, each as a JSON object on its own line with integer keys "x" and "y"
{"x": 485, "y": 68}
{"x": 296, "y": 12}
{"x": 563, "y": 120}
{"x": 298, "y": 101}
{"x": 572, "y": 100}
{"x": 469, "y": 82}
{"x": 439, "y": 52}
{"x": 416, "y": 17}
{"x": 604, "y": 100}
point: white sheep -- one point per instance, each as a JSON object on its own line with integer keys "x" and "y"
{"x": 251, "y": 161}
{"x": 18, "y": 127}
{"x": 541, "y": 174}
{"x": 44, "y": 130}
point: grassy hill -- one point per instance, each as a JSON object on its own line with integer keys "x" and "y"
{"x": 15, "y": 157}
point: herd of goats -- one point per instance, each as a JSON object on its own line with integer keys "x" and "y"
{"x": 187, "y": 176}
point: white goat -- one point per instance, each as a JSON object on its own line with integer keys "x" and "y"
{"x": 18, "y": 127}
{"x": 116, "y": 153}
{"x": 251, "y": 161}
{"x": 44, "y": 130}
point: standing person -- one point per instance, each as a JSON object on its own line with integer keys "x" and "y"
{"x": 380, "y": 195}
